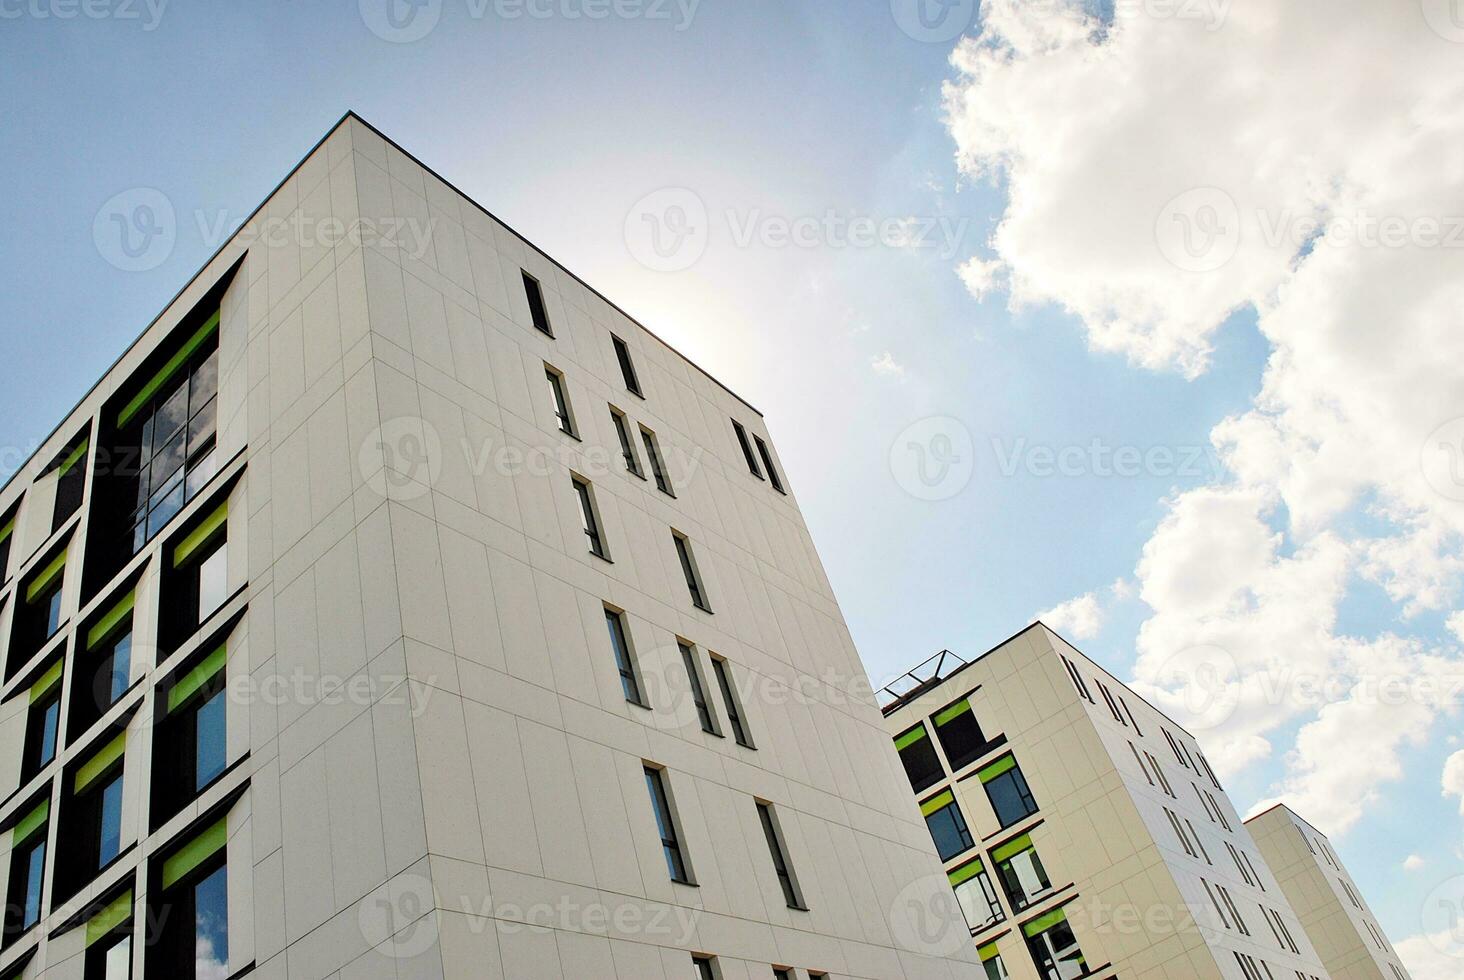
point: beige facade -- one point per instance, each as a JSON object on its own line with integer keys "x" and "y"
{"x": 321, "y": 669}
{"x": 1084, "y": 831}
{"x": 1335, "y": 915}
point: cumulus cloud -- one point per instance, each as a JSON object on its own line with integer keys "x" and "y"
{"x": 1165, "y": 173}
{"x": 1080, "y": 618}
{"x": 1426, "y": 958}
{"x": 1414, "y": 863}
{"x": 980, "y": 275}
{"x": 1454, "y": 778}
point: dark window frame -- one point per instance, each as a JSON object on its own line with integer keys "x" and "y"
{"x": 658, "y": 466}
{"x": 736, "y": 717}
{"x": 691, "y": 571}
{"x": 563, "y": 411}
{"x": 777, "y": 849}
{"x": 627, "y": 366}
{"x": 538, "y": 306}
{"x": 590, "y": 521}
{"x": 664, "y": 811}
{"x": 624, "y": 653}
{"x": 746, "y": 445}
{"x": 628, "y": 452}
{"x": 768, "y": 464}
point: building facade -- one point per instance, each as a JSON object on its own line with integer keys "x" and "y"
{"x": 1333, "y": 912}
{"x": 398, "y": 607}
{"x": 1083, "y": 832}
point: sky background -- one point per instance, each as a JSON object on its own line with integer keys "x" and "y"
{"x": 1034, "y": 298}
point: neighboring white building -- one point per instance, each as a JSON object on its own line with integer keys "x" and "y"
{"x": 1335, "y": 915}
{"x": 1084, "y": 832}
{"x": 398, "y": 607}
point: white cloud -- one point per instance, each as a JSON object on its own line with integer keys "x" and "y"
{"x": 1162, "y": 175}
{"x": 886, "y": 364}
{"x": 1453, "y": 779}
{"x": 1425, "y": 958}
{"x": 1414, "y": 863}
{"x": 980, "y": 275}
{"x": 1455, "y": 624}
{"x": 1080, "y": 618}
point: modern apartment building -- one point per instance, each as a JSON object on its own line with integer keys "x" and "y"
{"x": 1333, "y": 912}
{"x": 398, "y": 607}
{"x": 1083, "y": 831}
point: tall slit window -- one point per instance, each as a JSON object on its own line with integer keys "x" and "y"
{"x": 200, "y": 574}
{"x": 735, "y": 717}
{"x": 658, "y": 468}
{"x": 624, "y": 657}
{"x": 772, "y": 832}
{"x": 697, "y": 690}
{"x": 27, "y": 871}
{"x": 767, "y": 458}
{"x": 171, "y": 425}
{"x": 627, "y": 366}
{"x": 627, "y": 447}
{"x": 666, "y": 825}
{"x": 562, "y": 413}
{"x": 743, "y": 442}
{"x": 589, "y": 518}
{"x": 690, "y": 570}
{"x": 538, "y": 312}
{"x": 39, "y": 617}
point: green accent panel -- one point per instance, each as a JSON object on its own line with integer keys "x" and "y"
{"x": 201, "y": 535}
{"x": 966, "y": 872}
{"x": 909, "y": 738}
{"x": 109, "y": 918}
{"x": 988, "y": 952}
{"x": 935, "y": 803}
{"x": 46, "y": 576}
{"x": 1012, "y": 848}
{"x": 1005, "y": 764}
{"x": 101, "y": 762}
{"x": 114, "y": 617}
{"x": 195, "y": 679}
{"x": 1043, "y": 924}
{"x": 5, "y": 531}
{"x": 195, "y": 852}
{"x": 952, "y": 713}
{"x": 30, "y": 823}
{"x": 140, "y": 400}
{"x": 47, "y": 683}
{"x": 77, "y": 455}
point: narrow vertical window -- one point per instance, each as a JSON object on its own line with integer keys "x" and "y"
{"x": 624, "y": 657}
{"x": 689, "y": 569}
{"x": 106, "y": 667}
{"x": 704, "y": 969}
{"x": 696, "y": 689}
{"x": 658, "y": 468}
{"x": 193, "y": 943}
{"x": 666, "y": 825}
{"x": 779, "y": 855}
{"x": 27, "y": 871}
{"x": 70, "y": 482}
{"x": 767, "y": 458}
{"x": 627, "y": 366}
{"x": 746, "y": 445}
{"x": 7, "y": 534}
{"x": 562, "y": 413}
{"x": 537, "y": 311}
{"x": 627, "y": 447}
{"x": 734, "y": 706}
{"x": 39, "y": 617}
{"x": 92, "y": 817}
{"x": 43, "y": 722}
{"x": 109, "y": 942}
{"x": 199, "y": 581}
{"x": 589, "y": 518}
{"x": 192, "y": 750}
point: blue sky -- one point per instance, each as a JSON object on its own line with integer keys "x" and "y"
{"x": 764, "y": 110}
